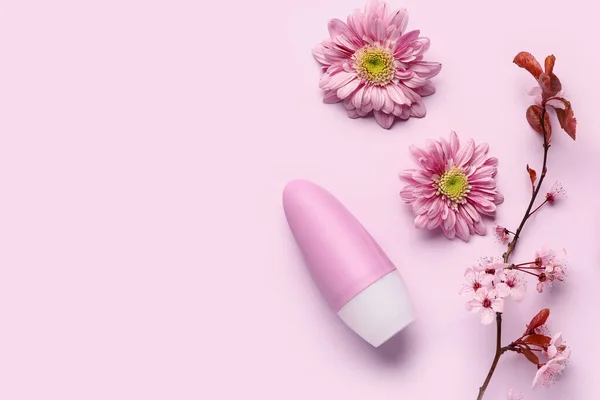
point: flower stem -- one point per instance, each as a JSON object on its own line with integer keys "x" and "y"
{"x": 513, "y": 243}
{"x": 511, "y": 247}
{"x": 540, "y": 206}
{"x": 527, "y": 272}
{"x": 499, "y": 352}
{"x": 522, "y": 264}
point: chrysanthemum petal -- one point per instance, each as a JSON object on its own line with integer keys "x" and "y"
{"x": 480, "y": 228}
{"x": 404, "y": 74}
{"x": 357, "y": 97}
{"x": 377, "y": 98}
{"x": 450, "y": 233}
{"x": 405, "y": 114}
{"x": 485, "y": 171}
{"x": 426, "y": 90}
{"x": 348, "y": 89}
{"x": 422, "y": 177}
{"x": 331, "y": 97}
{"x": 433, "y": 222}
{"x": 383, "y": 119}
{"x": 348, "y": 104}
{"x": 341, "y": 34}
{"x": 397, "y": 95}
{"x": 450, "y": 220}
{"x": 426, "y": 69}
{"x": 363, "y": 111}
{"x": 462, "y": 229}
{"x": 356, "y": 22}
{"x": 417, "y": 153}
{"x": 353, "y": 113}
{"x": 407, "y": 176}
{"x": 415, "y": 82}
{"x": 388, "y": 105}
{"x": 340, "y": 79}
{"x": 400, "y": 19}
{"x": 479, "y": 155}
{"x": 483, "y": 205}
{"x": 319, "y": 55}
{"x": 420, "y": 221}
{"x": 465, "y": 153}
{"x": 418, "y": 110}
{"x": 405, "y": 40}
{"x": 499, "y": 198}
{"x": 337, "y": 27}
{"x": 324, "y": 81}
{"x": 407, "y": 195}
{"x": 471, "y": 211}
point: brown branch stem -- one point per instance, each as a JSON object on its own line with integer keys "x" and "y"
{"x": 510, "y": 249}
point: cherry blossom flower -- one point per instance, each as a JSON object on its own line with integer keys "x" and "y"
{"x": 554, "y": 265}
{"x": 502, "y": 234}
{"x": 512, "y": 395}
{"x": 557, "y": 349}
{"x": 544, "y": 257}
{"x": 511, "y": 284}
{"x": 548, "y": 373}
{"x": 543, "y": 281}
{"x": 475, "y": 281}
{"x": 557, "y": 192}
{"x": 490, "y": 266}
{"x": 542, "y": 330}
{"x": 488, "y": 303}
{"x": 374, "y": 66}
{"x": 453, "y": 188}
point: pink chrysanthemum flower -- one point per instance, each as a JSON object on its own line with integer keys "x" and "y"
{"x": 372, "y": 65}
{"x": 454, "y": 186}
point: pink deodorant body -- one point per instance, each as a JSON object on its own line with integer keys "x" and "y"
{"x": 356, "y": 278}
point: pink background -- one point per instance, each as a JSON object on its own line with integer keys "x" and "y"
{"x": 143, "y": 249}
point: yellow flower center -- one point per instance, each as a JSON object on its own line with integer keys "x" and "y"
{"x": 454, "y": 184}
{"x": 375, "y": 64}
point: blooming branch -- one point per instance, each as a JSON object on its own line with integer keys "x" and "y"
{"x": 493, "y": 281}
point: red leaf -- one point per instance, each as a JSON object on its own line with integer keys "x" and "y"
{"x": 567, "y": 119}
{"x": 537, "y": 340}
{"x": 530, "y": 356}
{"x": 550, "y": 85}
{"x": 549, "y": 64}
{"x": 532, "y": 176}
{"x": 534, "y": 117}
{"x": 539, "y": 320}
{"x": 528, "y": 61}
{"x": 548, "y": 81}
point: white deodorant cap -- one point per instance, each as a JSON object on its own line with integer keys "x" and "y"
{"x": 380, "y": 311}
